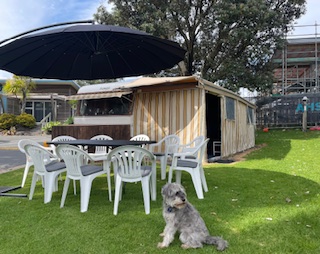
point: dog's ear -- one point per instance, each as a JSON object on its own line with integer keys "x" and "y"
{"x": 164, "y": 190}
{"x": 183, "y": 189}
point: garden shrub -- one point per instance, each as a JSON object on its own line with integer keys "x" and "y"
{"x": 48, "y": 127}
{"x": 26, "y": 120}
{"x": 69, "y": 120}
{"x": 7, "y": 121}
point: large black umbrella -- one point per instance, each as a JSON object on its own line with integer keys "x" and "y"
{"x": 89, "y": 52}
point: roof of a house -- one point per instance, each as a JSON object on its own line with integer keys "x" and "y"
{"x": 74, "y": 84}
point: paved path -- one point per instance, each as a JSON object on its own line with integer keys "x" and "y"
{"x": 10, "y": 156}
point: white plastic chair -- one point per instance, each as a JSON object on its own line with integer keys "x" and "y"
{"x": 130, "y": 168}
{"x": 60, "y": 138}
{"x": 48, "y": 169}
{"x": 192, "y": 166}
{"x": 192, "y": 146}
{"x": 100, "y": 150}
{"x": 77, "y": 169}
{"x": 21, "y": 145}
{"x": 171, "y": 144}
{"x": 140, "y": 137}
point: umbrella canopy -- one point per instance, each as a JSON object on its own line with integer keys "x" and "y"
{"x": 89, "y": 52}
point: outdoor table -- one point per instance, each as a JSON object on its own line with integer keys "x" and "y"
{"x": 112, "y": 143}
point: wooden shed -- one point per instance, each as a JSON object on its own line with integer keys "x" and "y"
{"x": 186, "y": 106}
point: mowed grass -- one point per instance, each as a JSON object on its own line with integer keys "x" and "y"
{"x": 268, "y": 203}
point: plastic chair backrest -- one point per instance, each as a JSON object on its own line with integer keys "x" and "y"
{"x": 140, "y": 137}
{"x": 172, "y": 143}
{"x": 101, "y": 149}
{"x": 63, "y": 138}
{"x": 74, "y": 158}
{"x": 39, "y": 156}
{"x": 202, "y": 149}
{"x": 60, "y": 138}
{"x": 23, "y": 142}
{"x": 130, "y": 160}
{"x": 193, "y": 145}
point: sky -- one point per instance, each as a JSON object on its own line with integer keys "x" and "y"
{"x": 18, "y": 16}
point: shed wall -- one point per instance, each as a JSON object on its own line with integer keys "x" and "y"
{"x": 237, "y": 135}
{"x": 180, "y": 112}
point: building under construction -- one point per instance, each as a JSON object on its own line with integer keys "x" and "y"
{"x": 296, "y": 75}
{"x": 297, "y": 69}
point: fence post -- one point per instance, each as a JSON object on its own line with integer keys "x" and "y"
{"x": 304, "y": 116}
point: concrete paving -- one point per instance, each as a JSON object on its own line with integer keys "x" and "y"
{"x": 10, "y": 156}
{"x": 11, "y": 142}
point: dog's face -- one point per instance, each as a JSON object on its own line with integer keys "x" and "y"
{"x": 174, "y": 195}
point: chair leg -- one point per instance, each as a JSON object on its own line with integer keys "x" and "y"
{"x": 25, "y": 173}
{"x": 33, "y": 185}
{"x": 109, "y": 184}
{"x": 178, "y": 176}
{"x": 146, "y": 194}
{"x": 50, "y": 180}
{"x": 163, "y": 165}
{"x": 117, "y": 194}
{"x": 170, "y": 175}
{"x": 65, "y": 190}
{"x": 85, "y": 189}
{"x": 195, "y": 175}
{"x": 74, "y": 187}
{"x": 153, "y": 185}
{"x": 203, "y": 180}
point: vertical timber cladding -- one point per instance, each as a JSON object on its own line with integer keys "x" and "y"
{"x": 228, "y": 131}
{"x": 237, "y": 134}
{"x": 180, "y": 112}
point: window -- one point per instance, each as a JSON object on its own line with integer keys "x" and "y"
{"x": 250, "y": 115}
{"x": 107, "y": 106}
{"x": 230, "y": 108}
{"x": 39, "y": 109}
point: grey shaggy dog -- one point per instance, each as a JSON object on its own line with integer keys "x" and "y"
{"x": 181, "y": 216}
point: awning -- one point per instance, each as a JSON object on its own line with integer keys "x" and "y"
{"x": 90, "y": 96}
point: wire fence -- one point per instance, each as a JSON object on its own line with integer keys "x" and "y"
{"x": 287, "y": 110}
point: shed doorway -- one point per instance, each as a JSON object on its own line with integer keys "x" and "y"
{"x": 213, "y": 119}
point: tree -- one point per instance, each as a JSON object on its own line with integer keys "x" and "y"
{"x": 19, "y": 86}
{"x": 227, "y": 41}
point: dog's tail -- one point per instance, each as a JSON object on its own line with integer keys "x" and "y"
{"x": 218, "y": 241}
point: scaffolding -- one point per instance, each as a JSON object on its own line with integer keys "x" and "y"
{"x": 296, "y": 65}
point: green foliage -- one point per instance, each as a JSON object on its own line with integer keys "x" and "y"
{"x": 48, "y": 127}
{"x": 19, "y": 86}
{"x": 69, "y": 120}
{"x": 7, "y": 121}
{"x": 26, "y": 120}
{"x": 227, "y": 41}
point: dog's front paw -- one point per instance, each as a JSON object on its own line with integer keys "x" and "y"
{"x": 185, "y": 246}
{"x": 162, "y": 245}
{"x": 162, "y": 234}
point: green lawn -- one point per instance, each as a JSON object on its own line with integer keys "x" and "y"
{"x": 268, "y": 203}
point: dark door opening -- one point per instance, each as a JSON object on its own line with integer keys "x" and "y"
{"x": 213, "y": 118}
